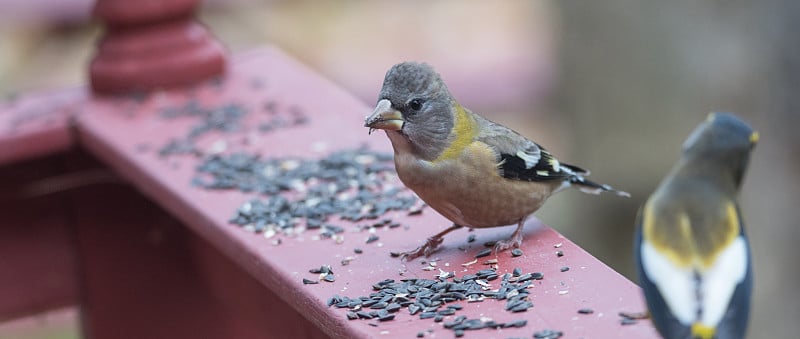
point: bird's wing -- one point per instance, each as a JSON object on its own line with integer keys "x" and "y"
{"x": 520, "y": 158}
{"x": 691, "y": 259}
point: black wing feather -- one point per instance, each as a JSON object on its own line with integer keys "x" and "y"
{"x": 513, "y": 167}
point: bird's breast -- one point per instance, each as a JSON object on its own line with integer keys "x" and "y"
{"x": 468, "y": 189}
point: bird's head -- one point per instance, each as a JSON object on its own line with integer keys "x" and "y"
{"x": 723, "y": 140}
{"x": 415, "y": 109}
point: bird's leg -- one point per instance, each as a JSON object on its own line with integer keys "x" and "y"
{"x": 514, "y": 241}
{"x": 430, "y": 246}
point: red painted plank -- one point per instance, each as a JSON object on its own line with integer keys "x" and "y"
{"x": 38, "y": 124}
{"x": 122, "y": 140}
{"x": 37, "y": 261}
{"x": 144, "y": 275}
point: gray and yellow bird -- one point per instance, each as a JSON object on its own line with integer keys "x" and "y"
{"x": 474, "y": 172}
{"x": 690, "y": 246}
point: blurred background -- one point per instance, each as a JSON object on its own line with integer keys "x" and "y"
{"x": 614, "y": 86}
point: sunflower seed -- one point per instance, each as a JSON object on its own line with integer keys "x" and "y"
{"x": 483, "y": 253}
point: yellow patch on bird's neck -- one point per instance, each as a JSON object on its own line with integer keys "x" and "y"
{"x": 678, "y": 249}
{"x": 463, "y": 132}
{"x": 678, "y": 241}
{"x": 701, "y": 331}
{"x": 725, "y": 233}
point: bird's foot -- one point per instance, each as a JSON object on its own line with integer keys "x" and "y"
{"x": 514, "y": 242}
{"x": 429, "y": 247}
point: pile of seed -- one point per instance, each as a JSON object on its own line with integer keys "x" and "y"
{"x": 325, "y": 273}
{"x": 355, "y": 185}
{"x": 436, "y": 298}
{"x": 226, "y": 118}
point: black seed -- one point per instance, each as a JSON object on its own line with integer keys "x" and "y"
{"x": 513, "y": 303}
{"x": 516, "y": 323}
{"x": 547, "y": 334}
{"x": 372, "y": 238}
{"x": 393, "y": 307}
{"x": 386, "y": 317}
{"x": 565, "y": 268}
{"x": 364, "y": 315}
{"x": 455, "y": 307}
{"x": 471, "y": 238}
{"x": 438, "y": 318}
{"x": 459, "y": 333}
{"x": 420, "y": 334}
{"x": 489, "y": 243}
{"x": 431, "y": 309}
{"x": 426, "y": 315}
{"x": 333, "y": 300}
{"x": 447, "y": 311}
{"x": 413, "y": 309}
{"x": 517, "y": 272}
{"x": 585, "y": 311}
{"x": 483, "y": 253}
{"x": 309, "y": 281}
{"x": 358, "y": 250}
{"x": 627, "y": 321}
{"x": 559, "y": 254}
{"x": 525, "y": 277}
{"x": 484, "y": 273}
{"x": 451, "y": 324}
{"x": 379, "y": 305}
{"x": 351, "y": 315}
{"x": 537, "y": 275}
{"x": 329, "y": 278}
{"x": 522, "y": 307}
{"x": 516, "y": 252}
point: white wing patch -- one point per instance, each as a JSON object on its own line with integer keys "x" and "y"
{"x": 720, "y": 281}
{"x": 676, "y": 285}
{"x": 531, "y": 159}
{"x": 555, "y": 165}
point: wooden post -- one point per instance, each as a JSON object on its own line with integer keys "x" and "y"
{"x": 150, "y": 44}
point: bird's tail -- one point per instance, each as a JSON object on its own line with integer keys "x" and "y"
{"x": 577, "y": 178}
{"x": 591, "y": 187}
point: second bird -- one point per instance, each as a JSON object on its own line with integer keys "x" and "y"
{"x": 474, "y": 172}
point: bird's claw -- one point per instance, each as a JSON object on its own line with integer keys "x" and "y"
{"x": 430, "y": 246}
{"x": 513, "y": 242}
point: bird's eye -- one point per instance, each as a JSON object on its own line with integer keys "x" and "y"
{"x": 415, "y": 104}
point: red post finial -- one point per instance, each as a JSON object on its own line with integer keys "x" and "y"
{"x": 150, "y": 44}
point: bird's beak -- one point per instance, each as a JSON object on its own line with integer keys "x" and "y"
{"x": 384, "y": 117}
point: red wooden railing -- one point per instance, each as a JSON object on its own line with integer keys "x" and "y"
{"x": 93, "y": 215}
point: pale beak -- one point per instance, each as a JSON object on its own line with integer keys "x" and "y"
{"x": 384, "y": 117}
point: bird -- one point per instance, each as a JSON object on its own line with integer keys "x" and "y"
{"x": 691, "y": 251}
{"x": 474, "y": 172}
